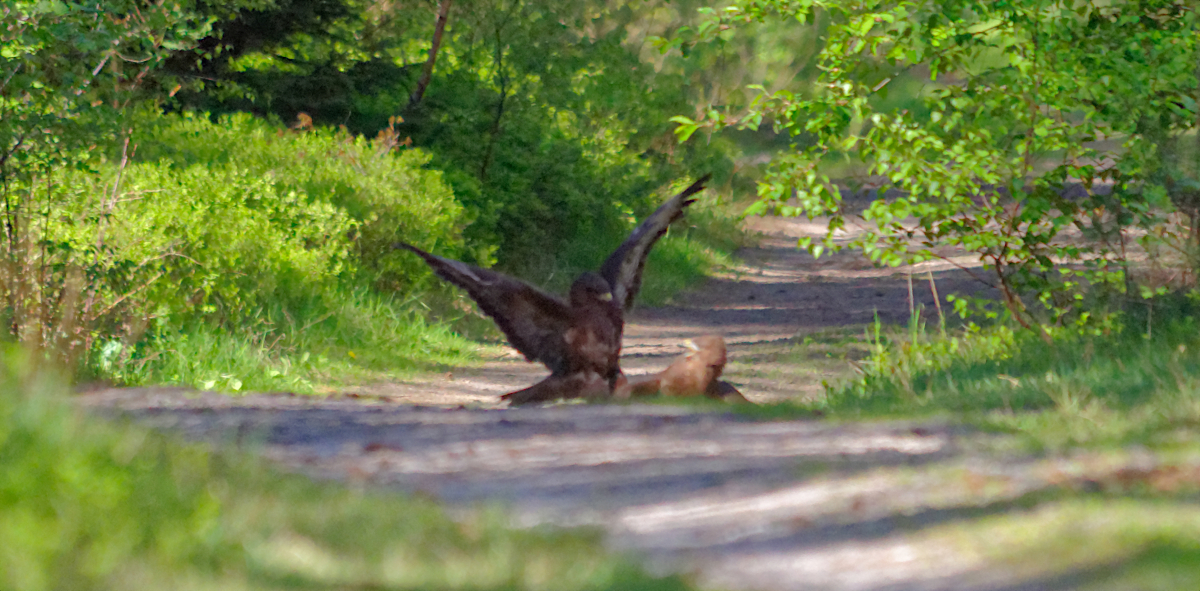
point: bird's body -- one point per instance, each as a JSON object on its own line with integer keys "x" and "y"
{"x": 695, "y": 373}
{"x": 579, "y": 340}
{"x": 593, "y": 341}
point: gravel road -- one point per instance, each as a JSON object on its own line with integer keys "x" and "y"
{"x": 737, "y": 503}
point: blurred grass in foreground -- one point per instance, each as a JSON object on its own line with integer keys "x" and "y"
{"x": 89, "y": 504}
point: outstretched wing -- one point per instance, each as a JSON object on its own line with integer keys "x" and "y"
{"x": 534, "y": 321}
{"x": 623, "y": 268}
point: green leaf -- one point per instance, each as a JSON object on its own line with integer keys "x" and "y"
{"x": 757, "y": 208}
{"x": 686, "y": 127}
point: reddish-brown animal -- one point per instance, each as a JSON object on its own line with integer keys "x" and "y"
{"x": 695, "y": 373}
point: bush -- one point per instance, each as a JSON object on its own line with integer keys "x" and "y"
{"x": 551, "y": 129}
{"x": 386, "y": 193}
{"x": 137, "y": 238}
{"x": 244, "y": 227}
{"x": 1001, "y": 158}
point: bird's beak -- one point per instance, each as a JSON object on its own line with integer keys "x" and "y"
{"x": 690, "y": 344}
{"x": 606, "y": 297}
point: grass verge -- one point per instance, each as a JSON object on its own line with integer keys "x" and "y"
{"x": 1139, "y": 383}
{"x": 1109, "y": 423}
{"x": 1127, "y": 386}
{"x": 1107, "y": 542}
{"x": 86, "y": 504}
{"x": 327, "y": 341}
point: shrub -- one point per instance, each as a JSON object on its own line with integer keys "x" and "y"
{"x": 245, "y": 226}
{"x": 266, "y": 244}
{"x": 386, "y": 194}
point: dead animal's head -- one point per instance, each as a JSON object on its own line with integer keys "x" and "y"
{"x": 708, "y": 350}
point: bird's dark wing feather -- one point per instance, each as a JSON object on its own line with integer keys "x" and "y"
{"x": 534, "y": 321}
{"x": 623, "y": 268}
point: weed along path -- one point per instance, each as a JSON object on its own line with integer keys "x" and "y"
{"x": 735, "y": 502}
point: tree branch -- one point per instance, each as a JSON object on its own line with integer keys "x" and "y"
{"x": 427, "y": 73}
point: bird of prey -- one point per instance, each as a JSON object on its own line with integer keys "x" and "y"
{"x": 579, "y": 340}
{"x": 696, "y": 373}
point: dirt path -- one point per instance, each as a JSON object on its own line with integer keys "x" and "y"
{"x": 764, "y": 308}
{"x": 737, "y": 503}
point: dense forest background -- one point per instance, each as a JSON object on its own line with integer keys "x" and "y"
{"x": 207, "y": 193}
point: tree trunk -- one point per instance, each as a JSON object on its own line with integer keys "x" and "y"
{"x": 427, "y": 73}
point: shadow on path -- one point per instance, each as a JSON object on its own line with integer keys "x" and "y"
{"x": 741, "y": 504}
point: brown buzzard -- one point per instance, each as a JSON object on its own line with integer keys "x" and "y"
{"x": 578, "y": 339}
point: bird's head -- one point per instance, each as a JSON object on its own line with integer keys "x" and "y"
{"x": 588, "y": 289}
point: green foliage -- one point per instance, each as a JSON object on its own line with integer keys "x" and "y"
{"x": 265, "y": 244}
{"x": 200, "y": 250}
{"x": 549, "y": 126}
{"x": 254, "y": 229}
{"x": 1002, "y": 159}
{"x": 235, "y": 226}
{"x": 85, "y": 504}
{"x": 324, "y": 189}
{"x": 73, "y": 79}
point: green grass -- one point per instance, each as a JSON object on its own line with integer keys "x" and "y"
{"x": 677, "y": 264}
{"x": 1112, "y": 420}
{"x": 88, "y": 504}
{"x": 1129, "y": 385}
{"x": 1109, "y": 542}
{"x": 704, "y": 241}
{"x": 1102, "y": 390}
{"x": 323, "y": 343}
